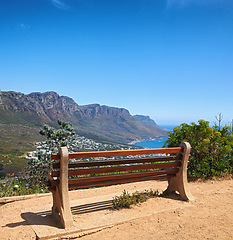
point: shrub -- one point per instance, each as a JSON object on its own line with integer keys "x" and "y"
{"x": 211, "y": 153}
{"x": 125, "y": 200}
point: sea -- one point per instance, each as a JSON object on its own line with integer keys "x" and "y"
{"x": 157, "y": 143}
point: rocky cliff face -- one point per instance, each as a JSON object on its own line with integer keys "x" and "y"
{"x": 47, "y": 106}
{"x": 110, "y": 123}
{"x": 147, "y": 120}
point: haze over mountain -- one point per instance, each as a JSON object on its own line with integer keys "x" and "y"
{"x": 95, "y": 121}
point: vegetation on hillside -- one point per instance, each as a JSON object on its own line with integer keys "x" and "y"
{"x": 34, "y": 177}
{"x": 18, "y": 187}
{"x": 211, "y": 154}
{"x": 15, "y": 142}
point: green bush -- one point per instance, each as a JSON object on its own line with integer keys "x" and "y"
{"x": 211, "y": 154}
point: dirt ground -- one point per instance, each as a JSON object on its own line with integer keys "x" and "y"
{"x": 210, "y": 216}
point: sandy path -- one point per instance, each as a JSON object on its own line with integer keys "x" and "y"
{"x": 209, "y": 217}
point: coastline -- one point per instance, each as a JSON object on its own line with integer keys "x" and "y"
{"x": 168, "y": 128}
{"x": 144, "y": 140}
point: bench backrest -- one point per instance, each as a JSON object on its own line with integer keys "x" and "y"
{"x": 84, "y": 174}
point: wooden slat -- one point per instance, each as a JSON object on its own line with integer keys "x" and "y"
{"x": 119, "y": 153}
{"x": 119, "y": 181}
{"x": 119, "y": 169}
{"x": 118, "y": 162}
{"x": 119, "y": 176}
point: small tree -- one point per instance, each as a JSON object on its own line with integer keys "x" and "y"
{"x": 40, "y": 167}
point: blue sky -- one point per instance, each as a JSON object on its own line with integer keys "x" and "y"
{"x": 169, "y": 59}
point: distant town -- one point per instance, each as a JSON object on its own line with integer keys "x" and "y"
{"x": 80, "y": 143}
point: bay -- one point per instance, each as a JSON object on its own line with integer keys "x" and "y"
{"x": 156, "y": 143}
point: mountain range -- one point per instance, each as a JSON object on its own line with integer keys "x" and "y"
{"x": 94, "y": 121}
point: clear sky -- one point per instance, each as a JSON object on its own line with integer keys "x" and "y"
{"x": 169, "y": 59}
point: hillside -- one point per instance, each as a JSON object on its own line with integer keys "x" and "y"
{"x": 109, "y": 123}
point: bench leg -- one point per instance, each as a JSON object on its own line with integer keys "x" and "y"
{"x": 179, "y": 182}
{"x": 56, "y": 206}
{"x": 61, "y": 209}
{"x": 61, "y": 204}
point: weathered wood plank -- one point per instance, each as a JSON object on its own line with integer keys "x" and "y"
{"x": 84, "y": 180}
{"x": 119, "y": 169}
{"x": 119, "y": 161}
{"x": 119, "y": 176}
{"x": 120, "y": 153}
{"x": 119, "y": 181}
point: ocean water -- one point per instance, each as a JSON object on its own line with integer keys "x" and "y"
{"x": 157, "y": 143}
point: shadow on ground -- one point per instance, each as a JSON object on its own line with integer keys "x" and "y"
{"x": 92, "y": 207}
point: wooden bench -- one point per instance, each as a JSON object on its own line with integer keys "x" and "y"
{"x": 85, "y": 174}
